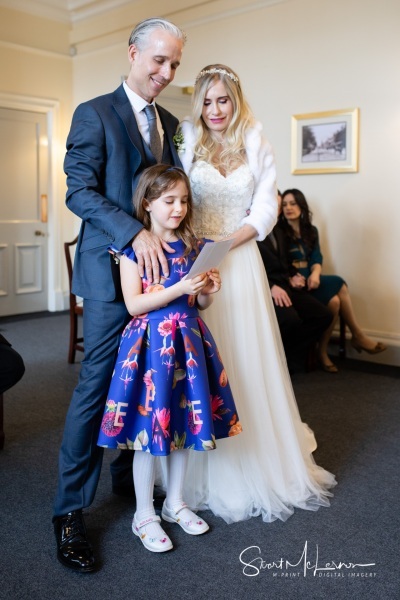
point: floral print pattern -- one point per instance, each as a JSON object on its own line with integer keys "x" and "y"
{"x": 169, "y": 388}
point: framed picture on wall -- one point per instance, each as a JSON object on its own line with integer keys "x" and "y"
{"x": 325, "y": 142}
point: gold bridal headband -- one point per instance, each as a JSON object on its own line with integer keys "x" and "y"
{"x": 214, "y": 71}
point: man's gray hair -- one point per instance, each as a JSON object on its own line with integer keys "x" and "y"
{"x": 145, "y": 28}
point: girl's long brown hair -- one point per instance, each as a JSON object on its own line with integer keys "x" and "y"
{"x": 153, "y": 183}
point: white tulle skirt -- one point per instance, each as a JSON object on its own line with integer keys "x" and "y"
{"x": 268, "y": 469}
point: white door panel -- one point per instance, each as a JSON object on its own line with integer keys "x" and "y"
{"x": 23, "y": 212}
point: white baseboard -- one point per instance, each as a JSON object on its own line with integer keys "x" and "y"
{"x": 58, "y": 301}
{"x": 391, "y": 356}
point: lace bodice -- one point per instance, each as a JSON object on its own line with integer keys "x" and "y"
{"x": 220, "y": 203}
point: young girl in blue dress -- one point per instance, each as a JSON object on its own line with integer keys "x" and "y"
{"x": 169, "y": 391}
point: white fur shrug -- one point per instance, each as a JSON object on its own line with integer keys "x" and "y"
{"x": 264, "y": 206}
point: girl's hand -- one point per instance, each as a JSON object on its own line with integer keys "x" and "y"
{"x": 194, "y": 286}
{"x": 313, "y": 281}
{"x": 214, "y": 282}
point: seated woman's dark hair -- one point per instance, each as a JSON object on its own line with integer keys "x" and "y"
{"x": 307, "y": 230}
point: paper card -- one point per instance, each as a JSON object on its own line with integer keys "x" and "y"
{"x": 210, "y": 257}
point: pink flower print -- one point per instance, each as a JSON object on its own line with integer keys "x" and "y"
{"x": 153, "y": 287}
{"x": 163, "y": 417}
{"x": 170, "y": 364}
{"x": 182, "y": 260}
{"x": 126, "y": 381}
{"x": 191, "y": 363}
{"x": 165, "y": 327}
{"x": 130, "y": 364}
{"x": 216, "y": 403}
{"x": 195, "y": 428}
{"x": 160, "y": 425}
{"x": 178, "y": 317}
{"x": 216, "y": 407}
{"x": 108, "y": 426}
{"x": 169, "y": 353}
{"x": 167, "y": 350}
{"x": 128, "y": 367}
{"x": 150, "y": 388}
{"x": 147, "y": 285}
{"x": 111, "y": 406}
{"x": 138, "y": 324}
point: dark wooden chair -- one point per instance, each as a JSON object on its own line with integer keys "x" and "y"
{"x": 75, "y": 308}
{"x": 1, "y": 423}
{"x": 341, "y": 340}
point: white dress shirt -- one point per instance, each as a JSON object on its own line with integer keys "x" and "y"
{"x": 138, "y": 104}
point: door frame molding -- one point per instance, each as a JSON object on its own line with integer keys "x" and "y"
{"x": 51, "y": 108}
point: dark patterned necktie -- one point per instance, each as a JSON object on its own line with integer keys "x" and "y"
{"x": 155, "y": 140}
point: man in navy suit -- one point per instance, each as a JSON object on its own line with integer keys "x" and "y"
{"x": 108, "y": 147}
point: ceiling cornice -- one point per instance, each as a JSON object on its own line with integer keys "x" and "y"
{"x": 66, "y": 11}
{"x": 73, "y": 11}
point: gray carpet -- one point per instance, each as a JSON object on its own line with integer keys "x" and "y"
{"x": 355, "y": 416}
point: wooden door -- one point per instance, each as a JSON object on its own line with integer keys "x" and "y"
{"x": 23, "y": 211}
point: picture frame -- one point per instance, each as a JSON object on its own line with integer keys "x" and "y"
{"x": 325, "y": 142}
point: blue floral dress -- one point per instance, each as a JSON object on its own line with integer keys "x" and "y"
{"x": 169, "y": 389}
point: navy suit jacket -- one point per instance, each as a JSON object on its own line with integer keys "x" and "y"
{"x": 104, "y": 159}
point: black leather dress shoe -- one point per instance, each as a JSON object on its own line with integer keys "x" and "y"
{"x": 73, "y": 548}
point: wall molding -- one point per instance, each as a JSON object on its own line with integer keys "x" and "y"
{"x": 32, "y": 50}
{"x": 391, "y": 356}
{"x": 225, "y": 13}
{"x": 73, "y": 11}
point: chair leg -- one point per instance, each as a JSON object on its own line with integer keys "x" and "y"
{"x": 342, "y": 338}
{"x": 312, "y": 359}
{"x": 73, "y": 328}
{"x": 1, "y": 422}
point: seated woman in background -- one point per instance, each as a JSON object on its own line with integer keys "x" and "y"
{"x": 306, "y": 259}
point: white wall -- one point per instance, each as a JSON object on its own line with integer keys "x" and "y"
{"x": 306, "y": 56}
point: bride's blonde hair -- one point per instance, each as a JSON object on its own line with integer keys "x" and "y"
{"x": 206, "y": 146}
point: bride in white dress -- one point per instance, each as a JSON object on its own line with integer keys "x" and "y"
{"x": 268, "y": 470}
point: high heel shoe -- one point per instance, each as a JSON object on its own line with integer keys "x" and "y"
{"x": 379, "y": 347}
{"x": 328, "y": 368}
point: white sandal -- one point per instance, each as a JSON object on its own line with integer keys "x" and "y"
{"x": 189, "y": 522}
{"x": 160, "y": 543}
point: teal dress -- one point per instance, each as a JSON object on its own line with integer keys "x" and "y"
{"x": 303, "y": 258}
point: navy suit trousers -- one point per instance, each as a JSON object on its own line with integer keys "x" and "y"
{"x": 80, "y": 458}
